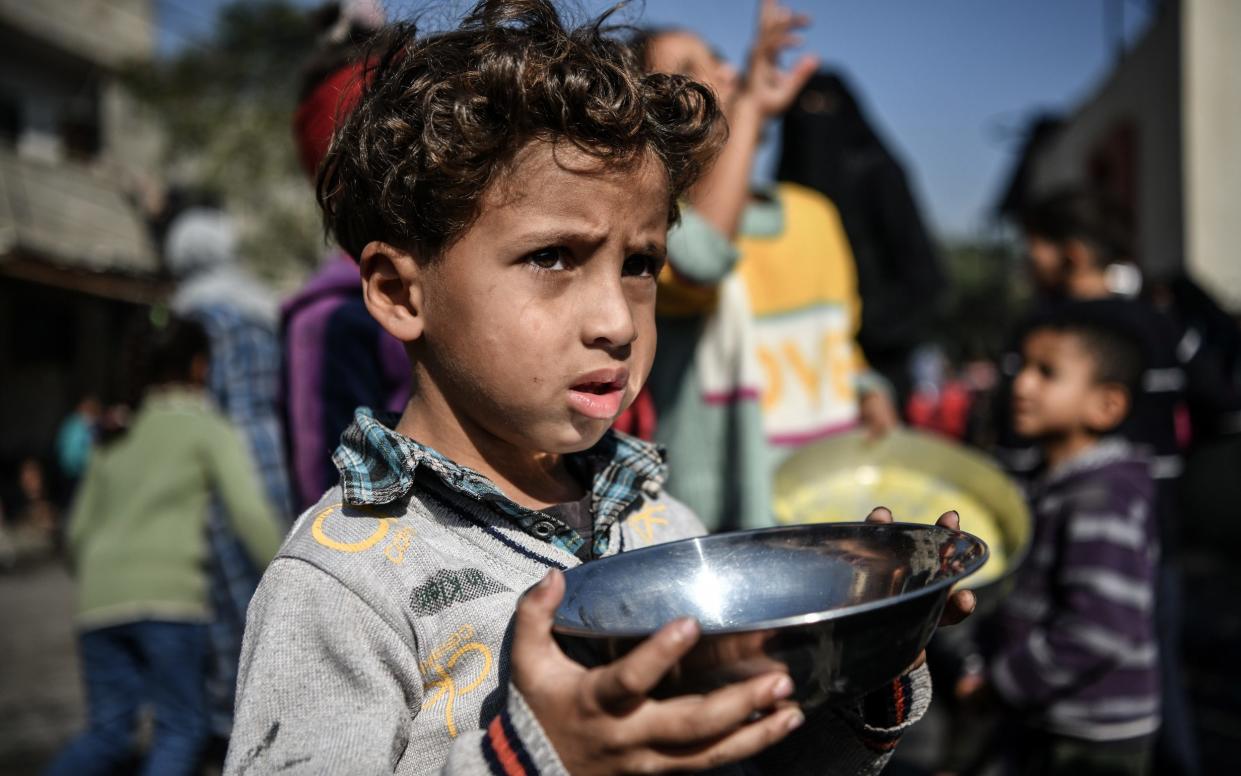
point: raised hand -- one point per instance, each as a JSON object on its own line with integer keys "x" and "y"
{"x": 771, "y": 89}
{"x": 603, "y": 720}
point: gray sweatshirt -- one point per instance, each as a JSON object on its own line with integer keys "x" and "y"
{"x": 378, "y": 641}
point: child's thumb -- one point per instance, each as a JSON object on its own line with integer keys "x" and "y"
{"x": 535, "y": 612}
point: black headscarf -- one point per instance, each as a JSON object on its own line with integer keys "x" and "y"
{"x": 828, "y": 145}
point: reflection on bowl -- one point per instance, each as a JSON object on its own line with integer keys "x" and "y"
{"x": 842, "y": 607}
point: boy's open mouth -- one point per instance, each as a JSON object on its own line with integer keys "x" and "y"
{"x": 599, "y": 394}
{"x": 597, "y": 388}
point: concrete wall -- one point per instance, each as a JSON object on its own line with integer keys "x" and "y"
{"x": 105, "y": 32}
{"x": 1212, "y": 108}
{"x": 1144, "y": 92}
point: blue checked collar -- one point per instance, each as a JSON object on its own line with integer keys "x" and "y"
{"x": 378, "y": 466}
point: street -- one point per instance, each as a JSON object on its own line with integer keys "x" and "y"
{"x": 41, "y": 703}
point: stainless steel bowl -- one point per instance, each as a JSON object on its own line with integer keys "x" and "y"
{"x": 843, "y": 607}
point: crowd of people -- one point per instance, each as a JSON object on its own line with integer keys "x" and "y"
{"x": 520, "y": 212}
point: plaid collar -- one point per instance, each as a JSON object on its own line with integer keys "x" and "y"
{"x": 378, "y": 466}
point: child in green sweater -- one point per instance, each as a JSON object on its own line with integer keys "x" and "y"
{"x": 137, "y": 542}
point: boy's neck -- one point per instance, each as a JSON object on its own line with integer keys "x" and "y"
{"x": 1064, "y": 447}
{"x": 534, "y": 480}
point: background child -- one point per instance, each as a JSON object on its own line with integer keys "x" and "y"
{"x": 1077, "y": 652}
{"x": 758, "y": 307}
{"x": 138, "y": 544}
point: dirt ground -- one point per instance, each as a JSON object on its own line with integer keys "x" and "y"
{"x": 41, "y": 704}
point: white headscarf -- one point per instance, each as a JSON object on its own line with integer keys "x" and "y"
{"x": 201, "y": 252}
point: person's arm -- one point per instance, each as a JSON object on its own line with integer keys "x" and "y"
{"x": 327, "y": 685}
{"x": 720, "y": 196}
{"x": 231, "y": 470}
{"x": 85, "y": 512}
{"x": 1104, "y": 593}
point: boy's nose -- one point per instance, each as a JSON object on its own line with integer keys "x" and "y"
{"x": 608, "y": 319}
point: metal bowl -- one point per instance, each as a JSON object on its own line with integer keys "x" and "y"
{"x": 843, "y": 607}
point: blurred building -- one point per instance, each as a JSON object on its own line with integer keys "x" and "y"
{"x": 1163, "y": 135}
{"x": 77, "y": 264}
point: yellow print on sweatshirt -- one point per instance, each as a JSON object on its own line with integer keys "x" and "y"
{"x": 394, "y": 549}
{"x": 645, "y": 521}
{"x": 320, "y": 535}
{"x": 437, "y": 670}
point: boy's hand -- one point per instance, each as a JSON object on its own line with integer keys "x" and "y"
{"x": 769, "y": 88}
{"x": 602, "y": 720}
{"x": 962, "y": 602}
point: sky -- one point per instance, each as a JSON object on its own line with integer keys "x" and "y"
{"x": 950, "y": 84}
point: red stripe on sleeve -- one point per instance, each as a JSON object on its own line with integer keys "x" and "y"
{"x": 504, "y": 751}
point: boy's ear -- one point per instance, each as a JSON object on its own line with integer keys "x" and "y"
{"x": 1106, "y": 407}
{"x": 392, "y": 289}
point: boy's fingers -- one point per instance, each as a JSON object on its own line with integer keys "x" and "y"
{"x": 950, "y": 520}
{"x": 879, "y": 515}
{"x": 701, "y": 719}
{"x": 742, "y": 743}
{"x": 961, "y": 604}
{"x": 535, "y": 611}
{"x": 636, "y": 674}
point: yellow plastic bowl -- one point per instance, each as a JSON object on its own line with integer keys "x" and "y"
{"x": 916, "y": 475}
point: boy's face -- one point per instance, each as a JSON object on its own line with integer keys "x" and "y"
{"x": 684, "y": 53}
{"x": 1056, "y": 392}
{"x": 539, "y": 321}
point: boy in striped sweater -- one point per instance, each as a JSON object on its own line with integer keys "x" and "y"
{"x": 1077, "y": 654}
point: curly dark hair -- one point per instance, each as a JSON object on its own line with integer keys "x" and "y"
{"x": 442, "y": 116}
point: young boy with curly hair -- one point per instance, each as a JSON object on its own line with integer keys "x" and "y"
{"x": 508, "y": 188}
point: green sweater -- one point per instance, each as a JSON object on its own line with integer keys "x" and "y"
{"x": 138, "y": 531}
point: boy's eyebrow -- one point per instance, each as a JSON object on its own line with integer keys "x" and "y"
{"x": 590, "y": 236}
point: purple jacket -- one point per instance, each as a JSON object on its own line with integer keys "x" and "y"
{"x": 1077, "y": 648}
{"x": 337, "y": 359}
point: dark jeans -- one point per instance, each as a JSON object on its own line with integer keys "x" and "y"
{"x": 125, "y": 666}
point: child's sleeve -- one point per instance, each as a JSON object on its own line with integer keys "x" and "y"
{"x": 84, "y": 515}
{"x": 328, "y": 685}
{"x": 232, "y": 470}
{"x": 1104, "y": 594}
{"x": 853, "y": 739}
{"x": 699, "y": 258}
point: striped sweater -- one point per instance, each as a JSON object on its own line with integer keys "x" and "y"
{"x": 1077, "y": 648}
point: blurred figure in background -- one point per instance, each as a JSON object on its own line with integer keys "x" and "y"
{"x": 1077, "y": 660}
{"x": 337, "y": 358}
{"x": 74, "y": 441}
{"x": 1078, "y": 244}
{"x": 828, "y": 145}
{"x": 758, "y": 304}
{"x": 138, "y": 544}
{"x": 35, "y": 516}
{"x": 239, "y": 316}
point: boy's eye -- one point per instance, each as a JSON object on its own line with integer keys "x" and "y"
{"x": 1045, "y": 370}
{"x": 642, "y": 265}
{"x": 549, "y": 258}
